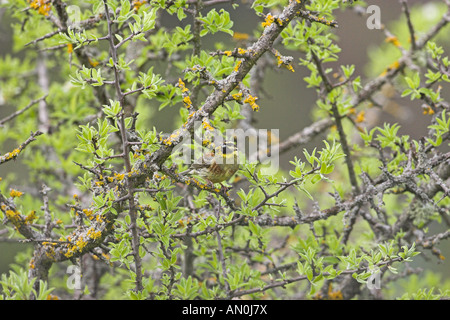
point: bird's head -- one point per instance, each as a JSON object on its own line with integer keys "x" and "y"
{"x": 227, "y": 151}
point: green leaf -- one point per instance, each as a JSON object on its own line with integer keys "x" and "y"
{"x": 215, "y": 22}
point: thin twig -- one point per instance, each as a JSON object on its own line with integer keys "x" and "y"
{"x": 221, "y": 256}
{"x": 338, "y": 121}
{"x": 46, "y": 209}
{"x": 125, "y": 146}
{"x": 13, "y": 154}
{"x": 410, "y": 25}
{"x": 19, "y": 112}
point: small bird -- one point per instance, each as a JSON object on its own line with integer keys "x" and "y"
{"x": 218, "y": 165}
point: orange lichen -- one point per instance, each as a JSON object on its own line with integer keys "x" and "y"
{"x": 41, "y": 6}
{"x": 119, "y": 176}
{"x": 282, "y": 62}
{"x": 360, "y": 117}
{"x": 207, "y": 126}
{"x": 182, "y": 86}
{"x": 334, "y": 295}
{"x": 137, "y": 4}
{"x": 15, "y": 218}
{"x": 280, "y": 22}
{"x": 238, "y": 64}
{"x": 241, "y": 51}
{"x": 31, "y": 264}
{"x": 428, "y": 110}
{"x": 269, "y": 20}
{"x": 93, "y": 63}
{"x": 13, "y": 215}
{"x": 187, "y": 102}
{"x": 30, "y": 217}
{"x": 251, "y": 101}
{"x": 94, "y": 234}
{"x": 240, "y": 36}
{"x": 88, "y": 213}
{"x": 15, "y": 193}
{"x": 12, "y": 154}
{"x": 237, "y": 96}
{"x": 394, "y": 40}
{"x": 393, "y": 66}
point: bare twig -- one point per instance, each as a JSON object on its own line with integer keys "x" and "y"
{"x": 46, "y": 209}
{"x": 410, "y": 25}
{"x": 221, "y": 256}
{"x": 44, "y": 83}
